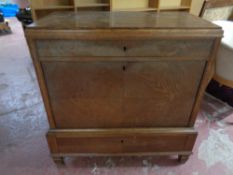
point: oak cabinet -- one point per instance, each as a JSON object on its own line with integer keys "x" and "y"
{"x": 113, "y": 85}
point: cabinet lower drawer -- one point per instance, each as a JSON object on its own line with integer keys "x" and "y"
{"x": 121, "y": 141}
{"x": 122, "y": 94}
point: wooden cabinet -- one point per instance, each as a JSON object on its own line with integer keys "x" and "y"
{"x": 41, "y": 8}
{"x": 113, "y": 85}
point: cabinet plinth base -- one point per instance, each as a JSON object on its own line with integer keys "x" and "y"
{"x": 59, "y": 160}
{"x": 183, "y": 158}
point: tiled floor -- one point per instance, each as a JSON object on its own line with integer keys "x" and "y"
{"x": 23, "y": 124}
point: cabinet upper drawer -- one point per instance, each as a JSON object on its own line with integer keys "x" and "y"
{"x": 196, "y": 49}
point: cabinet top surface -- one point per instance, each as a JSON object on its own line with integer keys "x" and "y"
{"x": 121, "y": 20}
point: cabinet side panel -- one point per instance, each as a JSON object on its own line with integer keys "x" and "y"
{"x": 207, "y": 76}
{"x": 41, "y": 81}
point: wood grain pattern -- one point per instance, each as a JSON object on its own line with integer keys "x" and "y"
{"x": 208, "y": 74}
{"x": 122, "y": 84}
{"x": 41, "y": 81}
{"x": 122, "y": 94}
{"x": 121, "y": 34}
{"x": 150, "y": 48}
{"x": 121, "y": 20}
{"x": 62, "y": 155}
{"x": 52, "y": 142}
{"x": 120, "y": 141}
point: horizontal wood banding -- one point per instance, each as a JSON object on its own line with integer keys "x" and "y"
{"x": 123, "y": 141}
{"x": 147, "y": 48}
{"x": 117, "y": 59}
{"x": 122, "y": 154}
{"x": 119, "y": 131}
{"x": 121, "y": 34}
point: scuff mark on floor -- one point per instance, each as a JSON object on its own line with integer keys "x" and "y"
{"x": 195, "y": 173}
{"x": 146, "y": 166}
{"x": 3, "y": 86}
{"x": 109, "y": 163}
{"x": 2, "y": 74}
{"x": 20, "y": 109}
{"x": 217, "y": 148}
{"x": 171, "y": 173}
{"x": 149, "y": 167}
{"x": 95, "y": 170}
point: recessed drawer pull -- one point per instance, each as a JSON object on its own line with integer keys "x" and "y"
{"x": 125, "y": 48}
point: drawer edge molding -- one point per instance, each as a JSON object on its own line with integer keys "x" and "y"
{"x": 122, "y": 154}
{"x": 120, "y": 58}
{"x": 116, "y": 132}
{"x": 122, "y": 34}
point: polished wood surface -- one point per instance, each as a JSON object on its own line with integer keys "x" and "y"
{"x": 113, "y": 87}
{"x": 200, "y": 49}
{"x": 122, "y": 20}
{"x": 122, "y": 94}
{"x": 208, "y": 74}
{"x": 115, "y": 141}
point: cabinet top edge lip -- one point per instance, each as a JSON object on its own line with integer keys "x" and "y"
{"x": 121, "y": 34}
{"x": 122, "y": 20}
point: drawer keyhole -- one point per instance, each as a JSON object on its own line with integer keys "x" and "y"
{"x": 122, "y": 141}
{"x": 123, "y": 68}
{"x": 125, "y": 48}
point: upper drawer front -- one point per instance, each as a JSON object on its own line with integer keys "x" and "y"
{"x": 196, "y": 49}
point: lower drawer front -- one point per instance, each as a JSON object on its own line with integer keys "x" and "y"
{"x": 128, "y": 142}
{"x": 122, "y": 94}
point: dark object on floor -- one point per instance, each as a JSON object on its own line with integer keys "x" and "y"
{"x": 1, "y": 16}
{"x": 25, "y": 16}
{"x": 221, "y": 92}
{"x": 4, "y": 27}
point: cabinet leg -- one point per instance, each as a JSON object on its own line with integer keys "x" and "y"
{"x": 183, "y": 158}
{"x": 59, "y": 160}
